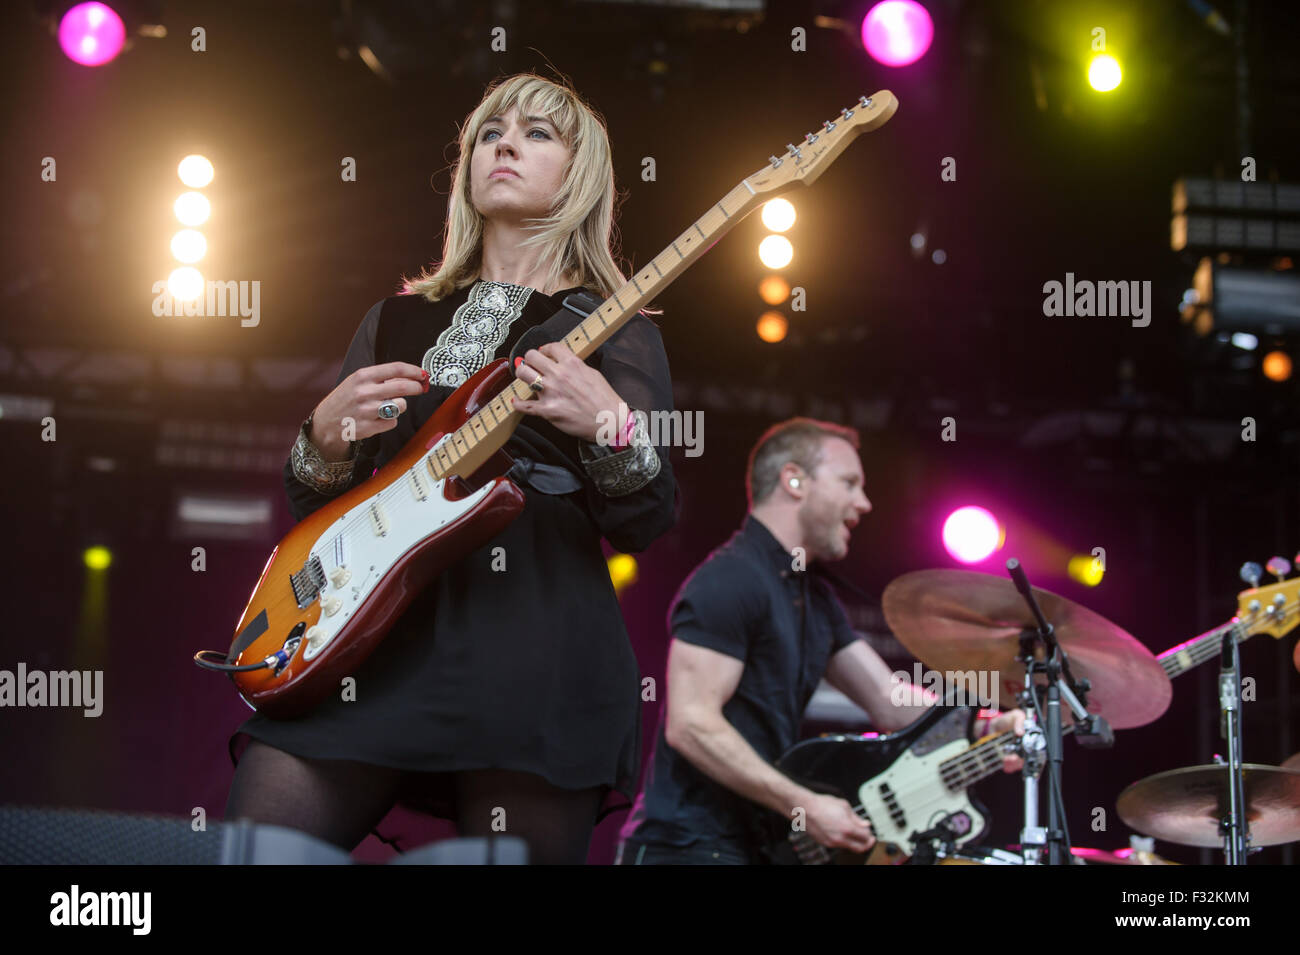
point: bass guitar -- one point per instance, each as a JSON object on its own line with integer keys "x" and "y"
{"x": 916, "y": 780}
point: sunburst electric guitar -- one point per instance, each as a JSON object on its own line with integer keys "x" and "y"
{"x": 333, "y": 587}
{"x": 912, "y": 781}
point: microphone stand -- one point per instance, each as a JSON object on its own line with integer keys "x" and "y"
{"x": 1093, "y": 731}
{"x": 1233, "y": 826}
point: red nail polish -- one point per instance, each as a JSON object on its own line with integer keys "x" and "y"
{"x": 519, "y": 361}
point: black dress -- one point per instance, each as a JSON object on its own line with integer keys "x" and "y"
{"x": 527, "y": 668}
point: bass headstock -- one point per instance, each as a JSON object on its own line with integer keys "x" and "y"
{"x": 1272, "y": 608}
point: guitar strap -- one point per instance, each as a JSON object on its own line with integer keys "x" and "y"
{"x": 550, "y": 478}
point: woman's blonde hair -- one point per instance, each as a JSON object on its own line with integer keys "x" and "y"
{"x": 577, "y": 237}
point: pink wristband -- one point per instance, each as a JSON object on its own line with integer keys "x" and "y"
{"x": 624, "y": 437}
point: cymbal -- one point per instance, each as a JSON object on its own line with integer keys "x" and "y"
{"x": 963, "y": 620}
{"x": 1185, "y": 805}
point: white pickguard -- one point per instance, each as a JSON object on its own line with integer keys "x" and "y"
{"x": 919, "y": 794}
{"x": 369, "y": 539}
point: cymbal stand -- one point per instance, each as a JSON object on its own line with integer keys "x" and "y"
{"x": 1093, "y": 730}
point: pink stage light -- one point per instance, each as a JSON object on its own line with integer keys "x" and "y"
{"x": 971, "y": 534}
{"x": 897, "y": 32}
{"x": 91, "y": 34}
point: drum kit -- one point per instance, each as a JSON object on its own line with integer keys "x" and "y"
{"x": 1072, "y": 670}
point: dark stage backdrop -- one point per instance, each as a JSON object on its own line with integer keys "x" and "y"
{"x": 1050, "y": 180}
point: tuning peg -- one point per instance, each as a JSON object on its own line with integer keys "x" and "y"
{"x": 1251, "y": 572}
{"x": 1279, "y": 567}
{"x": 827, "y": 125}
{"x": 809, "y": 138}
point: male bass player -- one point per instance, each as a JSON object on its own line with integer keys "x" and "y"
{"x": 753, "y": 633}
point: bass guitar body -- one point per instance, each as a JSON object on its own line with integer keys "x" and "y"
{"x": 896, "y": 782}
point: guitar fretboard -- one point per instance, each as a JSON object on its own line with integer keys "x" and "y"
{"x": 496, "y": 416}
{"x": 1178, "y": 660}
{"x": 981, "y": 760}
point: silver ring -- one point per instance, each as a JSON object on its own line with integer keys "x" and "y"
{"x": 389, "y": 409}
{"x": 536, "y": 385}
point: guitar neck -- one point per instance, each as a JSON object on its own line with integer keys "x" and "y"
{"x": 980, "y": 761}
{"x": 1178, "y": 660}
{"x": 663, "y": 268}
{"x": 491, "y": 426}
{"x": 985, "y": 758}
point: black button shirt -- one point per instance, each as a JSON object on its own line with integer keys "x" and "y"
{"x": 747, "y": 601}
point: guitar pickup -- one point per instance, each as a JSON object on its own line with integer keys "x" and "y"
{"x": 415, "y": 480}
{"x": 891, "y": 803}
{"x": 378, "y": 519}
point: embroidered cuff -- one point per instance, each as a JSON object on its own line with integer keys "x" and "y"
{"x": 619, "y": 472}
{"x": 325, "y": 477}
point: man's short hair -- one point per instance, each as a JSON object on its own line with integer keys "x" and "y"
{"x": 797, "y": 441}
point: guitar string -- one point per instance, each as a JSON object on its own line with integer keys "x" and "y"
{"x": 488, "y": 423}
{"x": 1204, "y": 647}
{"x": 362, "y": 519}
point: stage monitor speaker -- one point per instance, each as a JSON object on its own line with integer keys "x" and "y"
{"x": 33, "y": 836}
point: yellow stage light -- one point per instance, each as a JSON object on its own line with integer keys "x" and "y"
{"x": 189, "y": 246}
{"x": 185, "y": 283}
{"x": 622, "y": 571}
{"x": 1104, "y": 73}
{"x": 772, "y": 326}
{"x": 775, "y": 251}
{"x": 778, "y": 214}
{"x": 192, "y": 208}
{"x": 97, "y": 558}
{"x": 1277, "y": 366}
{"x": 1086, "y": 569}
{"x": 774, "y": 290}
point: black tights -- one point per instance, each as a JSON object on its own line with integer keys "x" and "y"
{"x": 341, "y": 801}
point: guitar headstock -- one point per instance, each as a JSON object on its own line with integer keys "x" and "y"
{"x": 1273, "y": 608}
{"x": 803, "y": 162}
